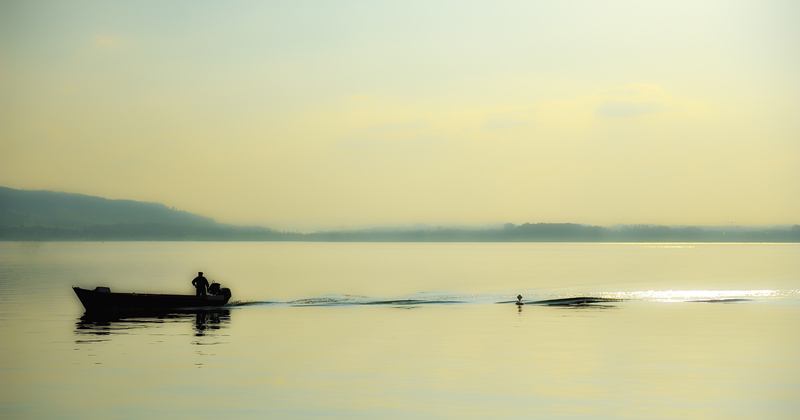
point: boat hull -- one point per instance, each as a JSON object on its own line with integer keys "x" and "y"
{"x": 94, "y": 300}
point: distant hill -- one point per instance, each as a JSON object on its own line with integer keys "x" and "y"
{"x": 47, "y": 216}
{"x": 53, "y": 216}
{"x": 20, "y": 208}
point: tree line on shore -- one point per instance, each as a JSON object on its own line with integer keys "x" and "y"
{"x": 54, "y": 216}
{"x": 540, "y": 232}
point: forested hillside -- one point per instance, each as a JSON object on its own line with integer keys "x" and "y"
{"x": 53, "y": 216}
{"x": 20, "y": 208}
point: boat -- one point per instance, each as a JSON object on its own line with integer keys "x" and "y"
{"x": 103, "y": 299}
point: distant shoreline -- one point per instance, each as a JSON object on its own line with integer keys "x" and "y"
{"x": 51, "y": 216}
{"x": 542, "y": 232}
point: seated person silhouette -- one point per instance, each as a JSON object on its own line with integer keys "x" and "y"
{"x": 200, "y": 283}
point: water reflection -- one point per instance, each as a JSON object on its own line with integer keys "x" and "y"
{"x": 96, "y": 327}
{"x": 210, "y": 321}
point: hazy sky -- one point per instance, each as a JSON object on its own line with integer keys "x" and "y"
{"x": 324, "y": 114}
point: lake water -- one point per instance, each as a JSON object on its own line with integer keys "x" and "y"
{"x": 388, "y": 330}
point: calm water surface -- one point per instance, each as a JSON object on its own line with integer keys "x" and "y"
{"x": 360, "y": 330}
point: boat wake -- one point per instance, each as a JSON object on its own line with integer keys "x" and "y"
{"x": 532, "y": 298}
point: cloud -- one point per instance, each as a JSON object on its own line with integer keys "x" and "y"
{"x": 56, "y": 132}
{"x": 388, "y": 134}
{"x": 366, "y": 122}
{"x": 63, "y": 90}
{"x": 396, "y": 126}
{"x": 632, "y": 101}
{"x": 379, "y": 143}
{"x": 360, "y": 98}
{"x": 105, "y": 42}
{"x": 509, "y": 119}
{"x": 613, "y": 108}
{"x": 632, "y": 91}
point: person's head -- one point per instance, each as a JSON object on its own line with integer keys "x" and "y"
{"x": 199, "y": 273}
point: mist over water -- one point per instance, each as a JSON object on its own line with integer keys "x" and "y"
{"x": 332, "y": 122}
{"x": 365, "y": 330}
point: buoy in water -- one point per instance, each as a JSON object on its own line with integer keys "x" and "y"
{"x": 519, "y": 299}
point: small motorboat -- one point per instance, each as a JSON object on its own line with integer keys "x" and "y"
{"x": 103, "y": 299}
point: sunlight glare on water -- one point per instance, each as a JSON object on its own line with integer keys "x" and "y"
{"x": 688, "y": 295}
{"x": 427, "y": 331}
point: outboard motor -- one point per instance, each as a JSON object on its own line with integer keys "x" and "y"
{"x": 216, "y": 289}
{"x": 213, "y": 289}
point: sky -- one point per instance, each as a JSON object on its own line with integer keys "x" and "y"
{"x": 306, "y": 115}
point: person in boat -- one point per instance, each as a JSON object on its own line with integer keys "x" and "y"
{"x": 200, "y": 283}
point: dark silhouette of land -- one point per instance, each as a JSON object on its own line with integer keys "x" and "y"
{"x": 53, "y": 216}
